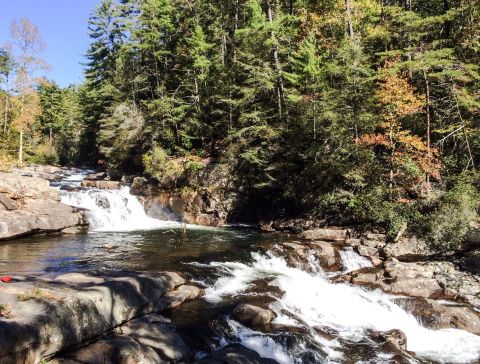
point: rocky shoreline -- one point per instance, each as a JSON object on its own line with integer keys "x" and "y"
{"x": 119, "y": 317}
{"x": 29, "y": 206}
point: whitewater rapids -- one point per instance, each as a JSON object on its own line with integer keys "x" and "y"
{"x": 311, "y": 300}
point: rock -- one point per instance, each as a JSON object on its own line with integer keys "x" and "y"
{"x": 252, "y": 316}
{"x": 397, "y": 339}
{"x": 436, "y": 315}
{"x": 142, "y": 187}
{"x": 19, "y": 187}
{"x": 325, "y": 234}
{"x": 101, "y": 184}
{"x": 39, "y": 216}
{"x": 298, "y": 254}
{"x": 424, "y": 279}
{"x": 7, "y": 202}
{"x": 366, "y": 251}
{"x": 97, "y": 176}
{"x": 51, "y": 315}
{"x": 353, "y": 242}
{"x": 327, "y": 254}
{"x": 235, "y": 354}
{"x": 157, "y": 333}
{"x": 74, "y": 230}
{"x": 376, "y": 237}
{"x": 470, "y": 261}
{"x": 412, "y": 279}
{"x": 117, "y": 349}
{"x": 182, "y": 294}
{"x": 49, "y": 173}
{"x": 409, "y": 248}
{"x": 33, "y": 207}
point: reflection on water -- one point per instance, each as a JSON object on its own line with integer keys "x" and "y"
{"x": 140, "y": 250}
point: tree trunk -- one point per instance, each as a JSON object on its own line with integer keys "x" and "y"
{"x": 20, "y": 147}
{"x": 427, "y": 116}
{"x": 349, "y": 19}
{"x": 276, "y": 59}
{"x": 5, "y": 116}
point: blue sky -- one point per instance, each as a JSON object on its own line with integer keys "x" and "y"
{"x": 63, "y": 27}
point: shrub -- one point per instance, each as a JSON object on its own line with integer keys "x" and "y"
{"x": 158, "y": 165}
{"x": 44, "y": 154}
{"x": 449, "y": 220}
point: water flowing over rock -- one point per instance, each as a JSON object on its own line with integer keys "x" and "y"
{"x": 311, "y": 301}
{"x": 113, "y": 210}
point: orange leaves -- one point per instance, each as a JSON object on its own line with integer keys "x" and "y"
{"x": 397, "y": 97}
{"x": 373, "y": 139}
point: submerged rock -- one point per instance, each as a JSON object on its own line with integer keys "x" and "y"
{"x": 252, "y": 316}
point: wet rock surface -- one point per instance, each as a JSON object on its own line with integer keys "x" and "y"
{"x": 235, "y": 354}
{"x": 304, "y": 254}
{"x": 101, "y": 184}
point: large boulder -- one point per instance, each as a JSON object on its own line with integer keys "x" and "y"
{"x": 437, "y": 315}
{"x": 252, "y": 316}
{"x": 157, "y": 333}
{"x": 409, "y": 248}
{"x": 422, "y": 279}
{"x": 30, "y": 206}
{"x": 49, "y": 315}
{"x": 300, "y": 254}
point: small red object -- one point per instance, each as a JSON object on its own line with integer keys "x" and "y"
{"x": 6, "y": 279}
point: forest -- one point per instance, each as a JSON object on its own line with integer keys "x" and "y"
{"x": 367, "y": 110}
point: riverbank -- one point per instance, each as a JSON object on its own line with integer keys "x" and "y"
{"x": 296, "y": 292}
{"x": 29, "y": 205}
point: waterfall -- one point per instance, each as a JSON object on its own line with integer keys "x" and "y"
{"x": 310, "y": 300}
{"x": 110, "y": 210}
{"x": 114, "y": 210}
{"x": 352, "y": 261}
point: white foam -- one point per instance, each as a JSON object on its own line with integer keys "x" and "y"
{"x": 265, "y": 346}
{"x": 348, "y": 309}
{"x": 114, "y": 210}
{"x": 352, "y": 261}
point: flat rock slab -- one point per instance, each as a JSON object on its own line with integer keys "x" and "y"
{"x": 49, "y": 315}
{"x": 326, "y": 234}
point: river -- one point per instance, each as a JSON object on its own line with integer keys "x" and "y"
{"x": 317, "y": 321}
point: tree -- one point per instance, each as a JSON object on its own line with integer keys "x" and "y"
{"x": 6, "y": 69}
{"x": 29, "y": 45}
